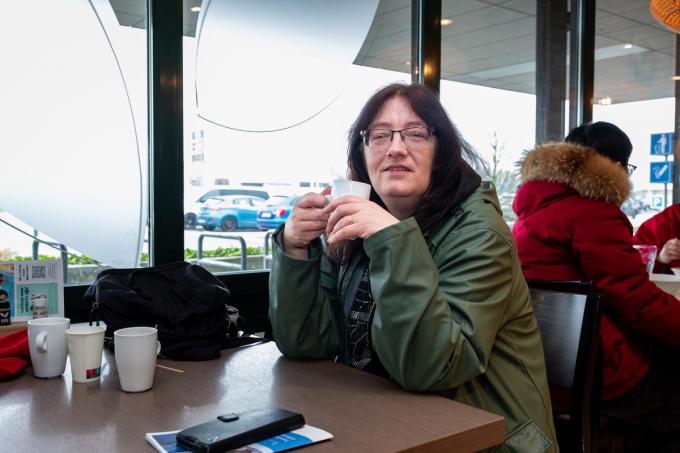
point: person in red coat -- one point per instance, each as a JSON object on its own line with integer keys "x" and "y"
{"x": 662, "y": 230}
{"x": 570, "y": 227}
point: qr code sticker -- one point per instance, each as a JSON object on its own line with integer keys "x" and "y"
{"x": 38, "y": 272}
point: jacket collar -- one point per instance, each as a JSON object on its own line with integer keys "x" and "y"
{"x": 590, "y": 174}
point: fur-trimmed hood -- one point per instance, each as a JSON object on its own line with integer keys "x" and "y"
{"x": 583, "y": 169}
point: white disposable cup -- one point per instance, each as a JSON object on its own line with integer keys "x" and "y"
{"x": 85, "y": 346}
{"x": 342, "y": 187}
{"x": 47, "y": 345}
{"x": 136, "y": 351}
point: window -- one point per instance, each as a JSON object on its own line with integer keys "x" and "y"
{"x": 634, "y": 89}
{"x": 74, "y": 96}
{"x": 274, "y": 87}
{"x": 488, "y": 83}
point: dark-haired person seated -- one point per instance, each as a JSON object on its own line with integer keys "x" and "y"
{"x": 570, "y": 227}
{"x": 430, "y": 293}
{"x": 662, "y": 230}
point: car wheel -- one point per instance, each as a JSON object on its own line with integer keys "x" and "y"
{"x": 229, "y": 224}
{"x": 189, "y": 221}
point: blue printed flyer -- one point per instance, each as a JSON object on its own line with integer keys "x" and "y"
{"x": 166, "y": 442}
{"x": 28, "y": 283}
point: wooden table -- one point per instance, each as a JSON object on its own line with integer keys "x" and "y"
{"x": 362, "y": 411}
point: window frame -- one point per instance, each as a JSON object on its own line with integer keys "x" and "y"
{"x": 249, "y": 289}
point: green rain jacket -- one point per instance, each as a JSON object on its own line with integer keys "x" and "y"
{"x": 452, "y": 315}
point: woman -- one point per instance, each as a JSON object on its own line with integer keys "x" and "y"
{"x": 431, "y": 292}
{"x": 570, "y": 227}
{"x": 662, "y": 230}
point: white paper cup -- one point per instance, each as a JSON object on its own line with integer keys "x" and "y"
{"x": 47, "y": 345}
{"x": 342, "y": 187}
{"x": 85, "y": 346}
{"x": 136, "y": 350}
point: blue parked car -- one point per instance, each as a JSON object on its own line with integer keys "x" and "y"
{"x": 230, "y": 212}
{"x": 277, "y": 211}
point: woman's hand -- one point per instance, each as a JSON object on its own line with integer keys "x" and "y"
{"x": 670, "y": 251}
{"x": 354, "y": 217}
{"x": 306, "y": 222}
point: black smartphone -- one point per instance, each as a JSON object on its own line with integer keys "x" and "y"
{"x": 231, "y": 431}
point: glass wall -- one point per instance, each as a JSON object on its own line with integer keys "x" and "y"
{"x": 73, "y": 115}
{"x": 488, "y": 83}
{"x": 634, "y": 69}
{"x": 271, "y": 89}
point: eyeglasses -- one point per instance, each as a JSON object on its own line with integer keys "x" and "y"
{"x": 631, "y": 168}
{"x": 414, "y": 138}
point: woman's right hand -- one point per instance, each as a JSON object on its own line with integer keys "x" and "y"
{"x": 306, "y": 222}
{"x": 670, "y": 251}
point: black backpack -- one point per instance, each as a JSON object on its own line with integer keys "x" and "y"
{"x": 186, "y": 303}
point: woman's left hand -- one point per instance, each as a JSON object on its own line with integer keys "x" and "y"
{"x": 354, "y": 217}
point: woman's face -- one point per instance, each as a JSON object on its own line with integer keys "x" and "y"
{"x": 400, "y": 173}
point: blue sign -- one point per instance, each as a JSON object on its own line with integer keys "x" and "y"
{"x": 661, "y": 144}
{"x": 661, "y": 172}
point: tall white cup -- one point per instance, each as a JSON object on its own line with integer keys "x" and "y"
{"x": 648, "y": 256}
{"x": 136, "y": 350}
{"x": 342, "y": 187}
{"x": 47, "y": 345}
{"x": 85, "y": 346}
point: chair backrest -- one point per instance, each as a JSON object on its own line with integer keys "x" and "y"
{"x": 568, "y": 315}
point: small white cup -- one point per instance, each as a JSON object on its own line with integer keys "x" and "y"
{"x": 47, "y": 345}
{"x": 136, "y": 350}
{"x": 342, "y": 187}
{"x": 85, "y": 346}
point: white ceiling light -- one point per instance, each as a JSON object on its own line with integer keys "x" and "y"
{"x": 446, "y": 22}
{"x": 195, "y": 9}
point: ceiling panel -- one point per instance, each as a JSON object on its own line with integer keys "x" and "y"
{"x": 526, "y": 79}
{"x": 492, "y": 43}
{"x": 391, "y": 22}
{"x": 451, "y": 9}
{"x": 130, "y": 20}
{"x": 641, "y": 75}
{"x": 472, "y": 21}
{"x": 496, "y": 56}
{"x": 523, "y": 6}
{"x": 133, "y": 13}
{"x": 387, "y": 47}
{"x": 648, "y": 38}
{"x": 477, "y": 38}
{"x": 393, "y": 5}
{"x": 606, "y": 23}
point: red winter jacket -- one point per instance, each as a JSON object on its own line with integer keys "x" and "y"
{"x": 570, "y": 227}
{"x": 658, "y": 230}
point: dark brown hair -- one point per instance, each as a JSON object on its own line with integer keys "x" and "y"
{"x": 451, "y": 151}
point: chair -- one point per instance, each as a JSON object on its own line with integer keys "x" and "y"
{"x": 568, "y": 315}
